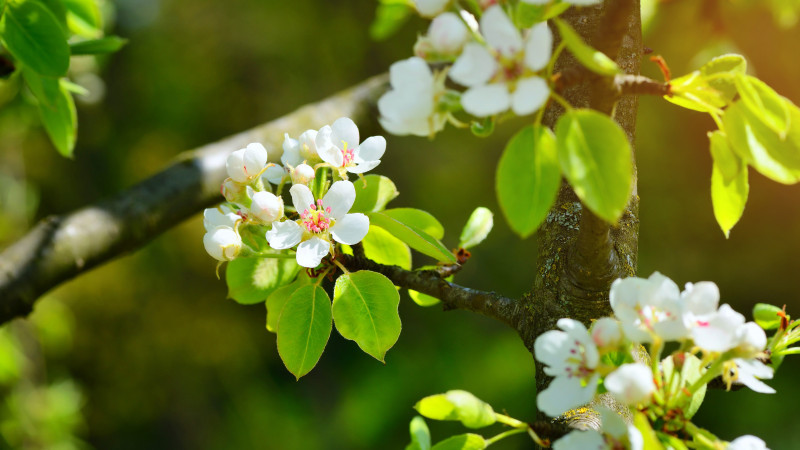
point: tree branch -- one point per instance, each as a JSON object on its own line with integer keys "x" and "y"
{"x": 453, "y": 296}
{"x": 62, "y": 247}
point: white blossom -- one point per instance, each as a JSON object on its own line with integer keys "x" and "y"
{"x": 303, "y": 149}
{"x": 571, "y": 357}
{"x": 572, "y": 2}
{"x": 274, "y": 174}
{"x": 631, "y": 384}
{"x": 302, "y": 174}
{"x": 266, "y": 207}
{"x": 719, "y": 333}
{"x": 648, "y": 307}
{"x": 581, "y": 440}
{"x": 338, "y": 146}
{"x": 430, "y": 8}
{"x": 750, "y": 372}
{"x": 613, "y": 434}
{"x": 320, "y": 220}
{"x": 410, "y": 107}
{"x": 500, "y": 75}
{"x": 222, "y": 243}
{"x": 446, "y": 36}
{"x": 747, "y": 442}
{"x": 245, "y": 164}
{"x": 606, "y": 332}
{"x": 220, "y": 217}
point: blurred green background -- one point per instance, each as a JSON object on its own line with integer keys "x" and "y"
{"x": 164, "y": 361}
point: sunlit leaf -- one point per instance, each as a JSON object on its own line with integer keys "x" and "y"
{"x": 379, "y": 191}
{"x": 34, "y": 36}
{"x": 251, "y": 280}
{"x": 728, "y": 199}
{"x": 764, "y": 103}
{"x": 767, "y": 316}
{"x": 527, "y": 15}
{"x": 592, "y": 59}
{"x": 420, "y": 435}
{"x": 418, "y": 218}
{"x": 109, "y": 44}
{"x": 278, "y": 298}
{"x": 720, "y": 73}
{"x": 389, "y": 17}
{"x": 413, "y": 236}
{"x": 728, "y": 162}
{"x": 84, "y": 18}
{"x": 468, "y": 441}
{"x": 471, "y": 411}
{"x": 303, "y": 329}
{"x": 476, "y": 229}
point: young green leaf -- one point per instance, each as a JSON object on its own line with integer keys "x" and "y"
{"x": 691, "y": 369}
{"x": 413, "y": 236}
{"x": 424, "y": 299}
{"x": 649, "y": 438}
{"x": 251, "y": 280}
{"x": 365, "y": 310}
{"x": 60, "y": 118}
{"x": 418, "y": 218}
{"x": 764, "y": 103}
{"x": 692, "y": 91}
{"x": 459, "y": 405}
{"x": 774, "y": 157}
{"x": 592, "y": 59}
{"x": 527, "y": 14}
{"x": 108, "y": 44}
{"x": 84, "y": 18}
{"x": 476, "y": 229}
{"x": 528, "y": 178}
{"x": 389, "y": 17}
{"x": 720, "y": 73}
{"x": 595, "y": 157}
{"x": 767, "y": 316}
{"x": 383, "y": 248}
{"x": 728, "y": 162}
{"x": 33, "y": 35}
{"x": 468, "y": 441}
{"x": 304, "y": 328}
{"x": 379, "y": 191}
{"x": 728, "y": 199}
{"x": 420, "y": 435}
{"x": 278, "y": 298}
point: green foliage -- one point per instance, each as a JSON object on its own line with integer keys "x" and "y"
{"x": 527, "y": 15}
{"x": 251, "y": 280}
{"x": 419, "y": 219}
{"x": 389, "y": 17}
{"x": 720, "y": 73}
{"x": 764, "y": 103}
{"x": 278, "y": 298}
{"x": 728, "y": 198}
{"x": 767, "y": 316}
{"x": 56, "y": 110}
{"x": 383, "y": 248}
{"x": 84, "y": 18}
{"x": 420, "y": 435}
{"x": 691, "y": 369}
{"x": 468, "y": 441}
{"x": 378, "y": 192}
{"x": 304, "y": 327}
{"x": 595, "y": 158}
{"x": 365, "y": 310}
{"x": 457, "y": 405}
{"x": 649, "y": 438}
{"x": 592, "y": 59}
{"x": 476, "y": 229}
{"x": 108, "y": 44}
{"x": 34, "y": 37}
{"x": 416, "y": 238}
{"x": 528, "y": 178}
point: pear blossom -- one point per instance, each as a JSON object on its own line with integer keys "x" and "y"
{"x": 500, "y": 75}
{"x": 430, "y": 8}
{"x": 302, "y": 174}
{"x": 572, "y": 2}
{"x": 580, "y": 440}
{"x": 274, "y": 174}
{"x": 747, "y": 442}
{"x": 606, "y": 333}
{"x": 338, "y": 146}
{"x": 446, "y": 36}
{"x": 410, "y": 107}
{"x": 614, "y": 434}
{"x": 719, "y": 333}
{"x": 266, "y": 207}
{"x": 648, "y": 307}
{"x": 245, "y": 164}
{"x": 320, "y": 220}
{"x": 571, "y": 357}
{"x": 302, "y": 149}
{"x": 232, "y": 191}
{"x": 750, "y": 372}
{"x": 631, "y": 383}
{"x": 220, "y": 217}
{"x": 222, "y": 243}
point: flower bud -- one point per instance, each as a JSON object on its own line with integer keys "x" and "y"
{"x": 266, "y": 207}
{"x": 233, "y": 191}
{"x": 606, "y": 332}
{"x": 220, "y": 217}
{"x": 302, "y": 174}
{"x": 308, "y": 146}
{"x": 246, "y": 163}
{"x": 448, "y": 34}
{"x": 430, "y": 8}
{"x": 222, "y": 243}
{"x": 631, "y": 383}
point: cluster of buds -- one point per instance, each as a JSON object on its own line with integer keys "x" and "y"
{"x": 713, "y": 341}
{"x": 253, "y": 202}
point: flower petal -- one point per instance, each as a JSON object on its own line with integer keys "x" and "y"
{"x": 538, "y": 46}
{"x": 410, "y": 73}
{"x": 363, "y": 166}
{"x": 235, "y": 166}
{"x": 345, "y": 133}
{"x": 339, "y": 199}
{"x": 482, "y": 101}
{"x": 581, "y": 440}
{"x": 565, "y": 393}
{"x": 311, "y": 252}
{"x": 284, "y": 235}
{"x": 255, "y": 158}
{"x": 550, "y": 348}
{"x": 274, "y": 174}
{"x": 474, "y": 67}
{"x": 372, "y": 148}
{"x": 350, "y": 229}
{"x": 499, "y": 32}
{"x": 302, "y": 198}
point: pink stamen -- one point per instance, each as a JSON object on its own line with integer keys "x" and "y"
{"x": 314, "y": 219}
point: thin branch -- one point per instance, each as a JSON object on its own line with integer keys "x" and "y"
{"x": 62, "y": 247}
{"x": 453, "y": 296}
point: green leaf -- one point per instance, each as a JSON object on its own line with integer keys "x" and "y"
{"x": 690, "y": 371}
{"x": 468, "y": 441}
{"x": 413, "y": 236}
{"x": 459, "y": 405}
{"x": 108, "y": 44}
{"x": 528, "y": 178}
{"x": 33, "y": 35}
{"x": 649, "y": 437}
{"x": 767, "y": 316}
{"x": 527, "y": 14}
{"x": 420, "y": 435}
{"x": 251, "y": 280}
{"x": 56, "y": 109}
{"x": 592, "y": 59}
{"x": 278, "y": 298}
{"x": 476, "y": 229}
{"x": 774, "y": 157}
{"x": 84, "y": 18}
{"x": 728, "y": 199}
{"x": 389, "y": 17}
{"x": 720, "y": 73}
{"x": 671, "y": 442}
{"x": 379, "y": 191}
{"x": 383, "y": 248}
{"x": 595, "y": 157}
{"x": 365, "y": 310}
{"x": 728, "y": 162}
{"x": 764, "y": 103}
{"x": 418, "y": 218}
{"x": 304, "y": 328}
{"x": 423, "y": 299}
{"x": 693, "y": 92}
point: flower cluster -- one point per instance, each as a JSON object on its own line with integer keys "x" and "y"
{"x": 312, "y": 225}
{"x": 650, "y": 312}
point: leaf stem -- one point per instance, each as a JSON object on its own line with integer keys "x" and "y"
{"x": 504, "y": 435}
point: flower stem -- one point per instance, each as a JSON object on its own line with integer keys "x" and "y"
{"x": 712, "y": 372}
{"x": 503, "y": 435}
{"x": 510, "y": 421}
